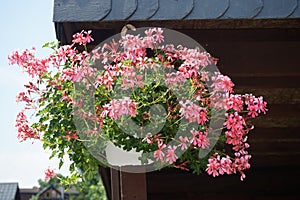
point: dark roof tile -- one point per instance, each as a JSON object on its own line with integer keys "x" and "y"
{"x": 296, "y": 13}
{"x": 145, "y": 9}
{"x": 121, "y": 9}
{"x": 277, "y": 8}
{"x": 243, "y": 8}
{"x": 106, "y": 10}
{"x": 204, "y": 9}
{"x": 81, "y": 10}
{"x": 173, "y": 9}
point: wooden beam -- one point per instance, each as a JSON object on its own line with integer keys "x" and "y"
{"x": 115, "y": 184}
{"x": 133, "y": 185}
{"x": 197, "y": 24}
{"x": 105, "y": 175}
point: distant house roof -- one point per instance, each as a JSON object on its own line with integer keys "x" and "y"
{"x": 113, "y": 10}
{"x": 59, "y": 191}
{"x": 9, "y": 191}
{"x": 71, "y": 191}
{"x": 27, "y": 193}
{"x": 29, "y": 190}
{"x": 50, "y": 187}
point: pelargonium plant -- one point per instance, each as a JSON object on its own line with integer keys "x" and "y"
{"x": 140, "y": 94}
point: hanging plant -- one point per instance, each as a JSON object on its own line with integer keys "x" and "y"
{"x": 167, "y": 102}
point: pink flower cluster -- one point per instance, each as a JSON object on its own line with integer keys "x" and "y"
{"x": 184, "y": 142}
{"x": 62, "y": 54}
{"x": 255, "y": 105}
{"x": 38, "y": 68}
{"x": 221, "y": 83}
{"x": 233, "y": 101}
{"x": 200, "y": 139}
{"x": 218, "y": 165}
{"x": 164, "y": 154}
{"x": 82, "y": 38}
{"x": 72, "y": 74}
{"x": 23, "y": 128}
{"x": 22, "y": 96}
{"x": 135, "y": 46}
{"x": 159, "y": 153}
{"x": 30, "y": 64}
{"x": 171, "y": 155}
{"x": 236, "y": 134}
{"x": 193, "y": 112}
{"x": 167, "y": 154}
{"x": 49, "y": 173}
{"x": 235, "y": 128}
{"x": 118, "y": 107}
{"x": 172, "y": 79}
{"x": 131, "y": 79}
{"x": 194, "y": 61}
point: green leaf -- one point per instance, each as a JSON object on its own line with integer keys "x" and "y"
{"x": 61, "y": 162}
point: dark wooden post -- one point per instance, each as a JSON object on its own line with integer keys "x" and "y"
{"x": 115, "y": 184}
{"x": 128, "y": 186}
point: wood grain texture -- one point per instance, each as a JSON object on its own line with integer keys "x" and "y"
{"x": 132, "y": 185}
{"x": 258, "y": 183}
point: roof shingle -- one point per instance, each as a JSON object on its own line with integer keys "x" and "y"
{"x": 209, "y": 9}
{"x": 107, "y": 10}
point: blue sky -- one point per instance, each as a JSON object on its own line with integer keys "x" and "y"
{"x": 23, "y": 24}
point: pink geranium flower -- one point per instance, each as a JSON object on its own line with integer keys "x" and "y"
{"x": 183, "y": 142}
{"x": 222, "y": 83}
{"x": 49, "y": 173}
{"x": 171, "y": 155}
{"x": 159, "y": 154}
{"x": 82, "y": 38}
{"x": 24, "y": 130}
{"x": 193, "y": 113}
{"x": 199, "y": 139}
{"x": 118, "y": 107}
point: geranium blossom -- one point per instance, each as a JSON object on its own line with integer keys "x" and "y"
{"x": 193, "y": 112}
{"x": 183, "y": 142}
{"x": 83, "y": 37}
{"x": 234, "y": 102}
{"x": 213, "y": 166}
{"x": 255, "y": 105}
{"x": 24, "y": 129}
{"x": 116, "y": 108}
{"x": 23, "y": 97}
{"x": 218, "y": 165}
{"x": 29, "y": 63}
{"x": 199, "y": 139}
{"x": 62, "y": 54}
{"x": 222, "y": 83}
{"x": 159, "y": 154}
{"x": 172, "y": 79}
{"x": 171, "y": 155}
{"x": 49, "y": 173}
